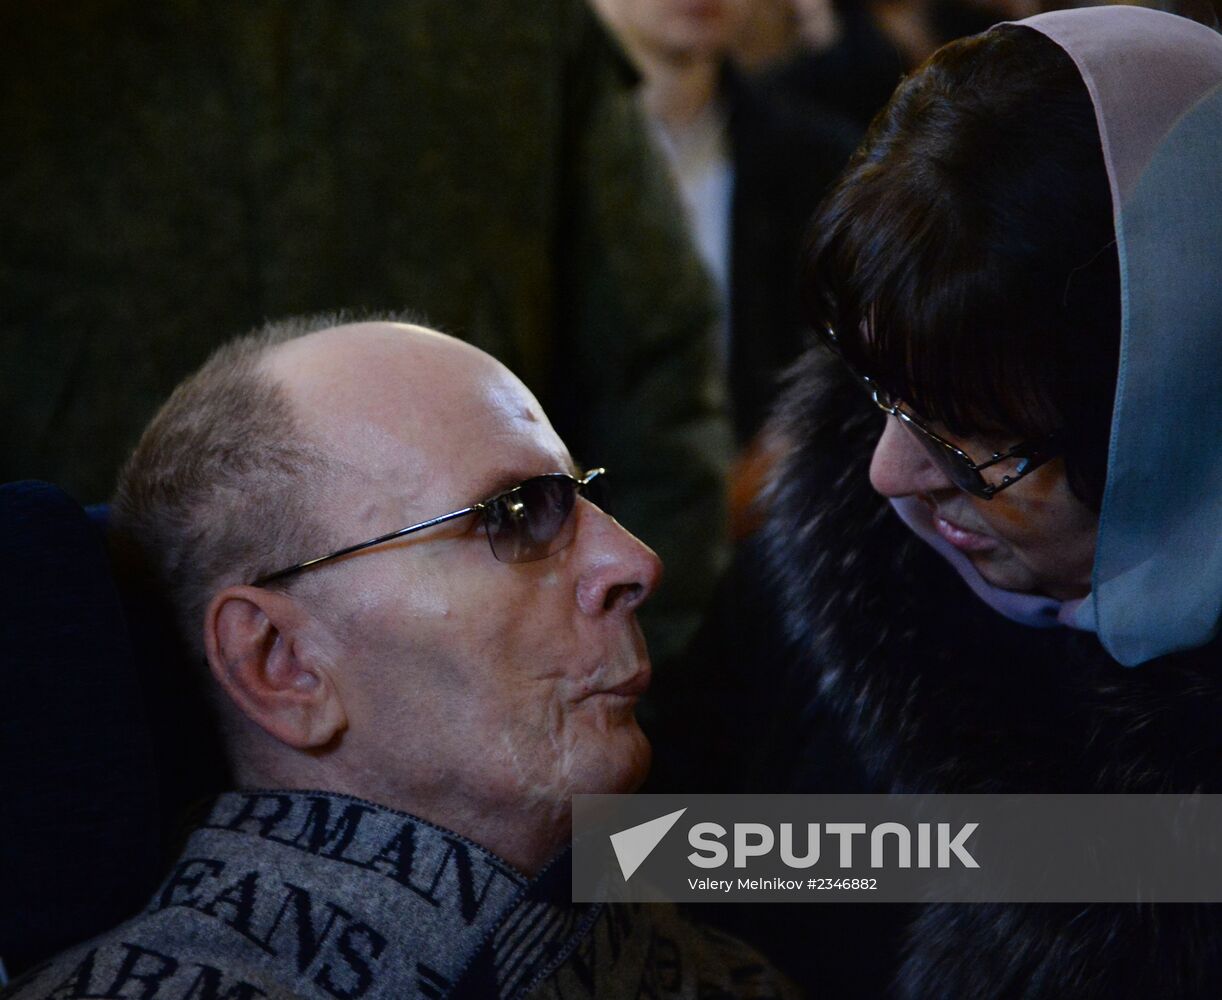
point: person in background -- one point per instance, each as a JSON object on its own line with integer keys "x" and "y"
{"x": 177, "y": 170}
{"x": 852, "y": 54}
{"x": 768, "y": 35}
{"x": 989, "y": 559}
{"x": 749, "y": 173}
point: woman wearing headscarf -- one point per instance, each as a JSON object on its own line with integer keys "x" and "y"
{"x": 1010, "y": 579}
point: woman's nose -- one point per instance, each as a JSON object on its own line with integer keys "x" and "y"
{"x": 901, "y": 467}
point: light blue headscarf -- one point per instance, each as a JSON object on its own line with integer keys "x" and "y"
{"x": 1156, "y": 83}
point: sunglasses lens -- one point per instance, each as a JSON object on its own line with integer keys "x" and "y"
{"x": 532, "y": 521}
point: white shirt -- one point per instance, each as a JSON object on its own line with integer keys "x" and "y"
{"x": 699, "y": 157}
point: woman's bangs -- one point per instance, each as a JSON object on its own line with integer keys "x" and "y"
{"x": 943, "y": 329}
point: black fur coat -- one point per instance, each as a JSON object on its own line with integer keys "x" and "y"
{"x": 846, "y": 655}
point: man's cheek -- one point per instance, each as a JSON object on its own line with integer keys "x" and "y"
{"x": 538, "y": 758}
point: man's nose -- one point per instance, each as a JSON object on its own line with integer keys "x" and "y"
{"x": 901, "y": 467}
{"x": 620, "y": 570}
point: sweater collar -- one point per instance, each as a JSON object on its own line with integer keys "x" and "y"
{"x": 408, "y": 908}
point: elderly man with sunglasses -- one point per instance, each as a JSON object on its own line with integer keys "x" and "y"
{"x": 419, "y": 626}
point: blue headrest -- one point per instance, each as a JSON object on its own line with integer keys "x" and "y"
{"x": 101, "y": 731}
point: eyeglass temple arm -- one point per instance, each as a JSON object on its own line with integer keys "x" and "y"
{"x": 390, "y": 536}
{"x": 1036, "y": 453}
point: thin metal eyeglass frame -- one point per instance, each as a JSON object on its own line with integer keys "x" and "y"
{"x": 579, "y": 486}
{"x": 1036, "y": 452}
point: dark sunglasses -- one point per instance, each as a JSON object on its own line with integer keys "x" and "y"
{"x": 981, "y": 479}
{"x": 533, "y": 520}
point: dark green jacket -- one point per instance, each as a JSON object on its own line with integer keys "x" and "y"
{"x": 172, "y": 174}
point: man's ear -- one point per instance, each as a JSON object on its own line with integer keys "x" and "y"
{"x": 254, "y": 639}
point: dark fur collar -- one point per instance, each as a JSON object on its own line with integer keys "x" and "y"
{"x": 936, "y": 692}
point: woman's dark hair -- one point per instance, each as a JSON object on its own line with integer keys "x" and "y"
{"x": 967, "y": 258}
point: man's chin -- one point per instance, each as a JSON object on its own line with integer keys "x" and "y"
{"x": 623, "y": 769}
{"x": 641, "y": 771}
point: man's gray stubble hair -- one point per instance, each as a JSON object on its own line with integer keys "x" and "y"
{"x": 217, "y": 491}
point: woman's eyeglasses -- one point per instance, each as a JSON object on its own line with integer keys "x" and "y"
{"x": 533, "y": 520}
{"x": 981, "y": 479}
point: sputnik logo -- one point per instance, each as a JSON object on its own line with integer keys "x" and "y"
{"x": 634, "y": 845}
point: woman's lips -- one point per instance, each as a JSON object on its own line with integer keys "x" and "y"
{"x": 961, "y": 538}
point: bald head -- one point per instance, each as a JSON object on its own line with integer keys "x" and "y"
{"x": 230, "y": 479}
{"x": 385, "y": 403}
{"x": 390, "y": 386}
{"x": 224, "y": 483}
{"x": 359, "y": 367}
{"x": 335, "y": 358}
